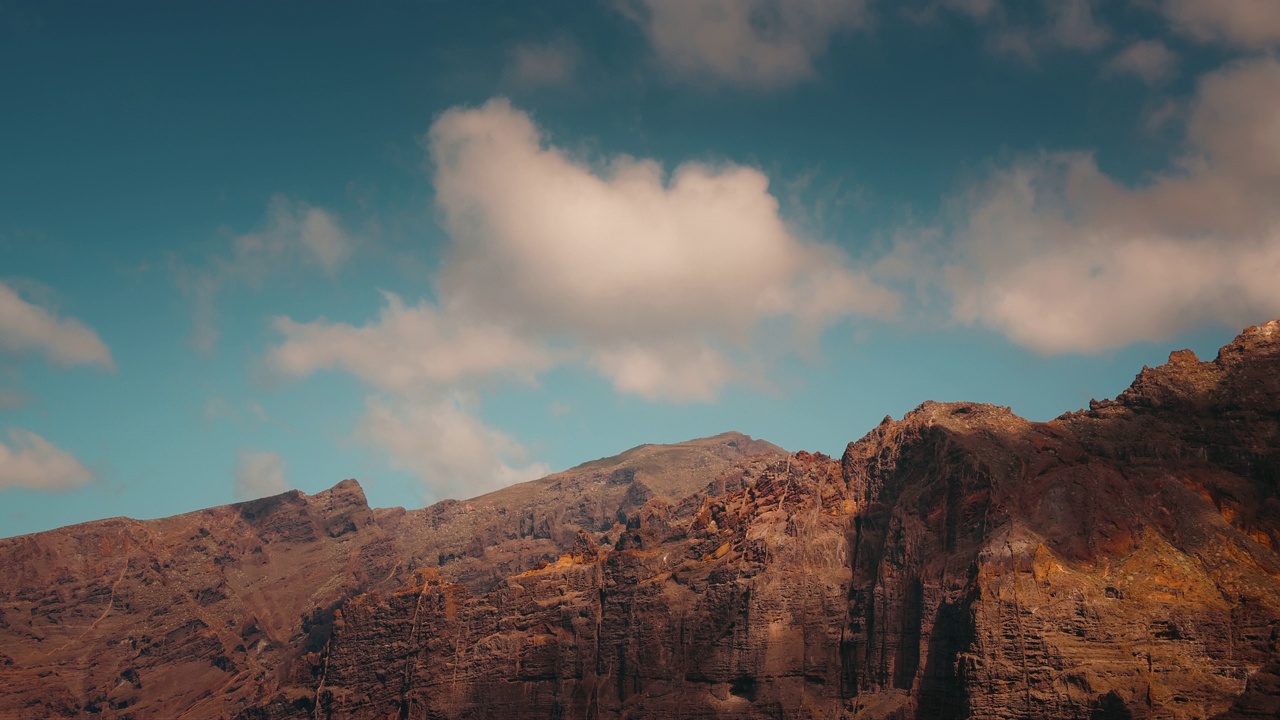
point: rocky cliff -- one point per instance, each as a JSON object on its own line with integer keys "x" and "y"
{"x": 1117, "y": 562}
{"x": 206, "y": 614}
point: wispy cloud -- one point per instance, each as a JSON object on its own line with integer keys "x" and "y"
{"x": 1072, "y": 24}
{"x": 535, "y": 65}
{"x": 259, "y": 474}
{"x": 754, "y": 44}
{"x": 295, "y": 234}
{"x": 441, "y": 441}
{"x": 26, "y": 327}
{"x": 1061, "y": 257}
{"x": 1028, "y": 30}
{"x": 30, "y": 461}
{"x": 408, "y": 347}
{"x": 248, "y": 414}
{"x": 1251, "y": 24}
{"x": 1149, "y": 60}
{"x": 11, "y": 399}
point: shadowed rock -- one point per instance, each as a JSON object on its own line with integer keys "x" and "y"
{"x": 1117, "y": 562}
{"x": 209, "y": 613}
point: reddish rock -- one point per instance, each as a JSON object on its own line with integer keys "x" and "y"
{"x": 213, "y": 612}
{"x": 191, "y": 614}
{"x": 1118, "y": 562}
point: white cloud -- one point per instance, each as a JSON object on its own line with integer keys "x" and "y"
{"x": 1028, "y": 30}
{"x": 259, "y": 474}
{"x": 654, "y": 281}
{"x": 26, "y": 327}
{"x": 1245, "y": 23}
{"x": 30, "y": 461}
{"x": 625, "y": 260}
{"x": 670, "y": 371}
{"x": 748, "y": 43}
{"x": 662, "y": 283}
{"x": 406, "y": 348}
{"x": 539, "y": 65}
{"x": 295, "y": 234}
{"x": 1061, "y": 257}
{"x": 446, "y": 446}
{"x": 1149, "y": 60}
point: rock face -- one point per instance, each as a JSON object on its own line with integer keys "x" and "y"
{"x": 191, "y": 614}
{"x": 480, "y": 541}
{"x": 1117, "y": 562}
{"x": 207, "y": 614}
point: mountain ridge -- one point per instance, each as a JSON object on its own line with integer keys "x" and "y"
{"x": 233, "y": 590}
{"x": 1114, "y": 562}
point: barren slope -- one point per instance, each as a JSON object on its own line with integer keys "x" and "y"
{"x": 1116, "y": 562}
{"x": 204, "y": 614}
{"x": 962, "y": 562}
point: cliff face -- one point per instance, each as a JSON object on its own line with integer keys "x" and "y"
{"x": 206, "y": 614}
{"x": 1117, "y": 562}
{"x": 962, "y": 562}
{"x": 186, "y": 614}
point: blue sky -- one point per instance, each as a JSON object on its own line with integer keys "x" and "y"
{"x": 441, "y": 247}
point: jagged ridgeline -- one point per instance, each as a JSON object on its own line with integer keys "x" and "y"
{"x": 1117, "y": 562}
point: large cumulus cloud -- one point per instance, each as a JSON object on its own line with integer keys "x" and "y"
{"x": 663, "y": 283}
{"x": 1062, "y": 257}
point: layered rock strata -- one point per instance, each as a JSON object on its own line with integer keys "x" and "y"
{"x": 1117, "y": 562}
{"x": 207, "y": 614}
{"x": 962, "y": 562}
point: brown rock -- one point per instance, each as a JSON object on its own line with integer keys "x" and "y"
{"x": 1118, "y": 562}
{"x": 194, "y": 613}
{"x": 209, "y": 613}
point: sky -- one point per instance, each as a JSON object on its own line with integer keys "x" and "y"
{"x": 442, "y": 247}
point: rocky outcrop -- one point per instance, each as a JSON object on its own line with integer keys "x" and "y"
{"x": 211, "y": 613}
{"x": 962, "y": 562}
{"x": 187, "y": 615}
{"x": 480, "y": 541}
{"x": 1117, "y": 562}
{"x": 667, "y": 626}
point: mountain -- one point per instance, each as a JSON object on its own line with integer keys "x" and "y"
{"x": 206, "y": 614}
{"x": 1115, "y": 562}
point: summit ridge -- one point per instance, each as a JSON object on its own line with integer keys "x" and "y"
{"x": 1119, "y": 561}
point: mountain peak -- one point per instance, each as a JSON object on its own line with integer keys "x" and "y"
{"x": 1254, "y": 342}
{"x": 1121, "y": 559}
{"x": 1242, "y": 367}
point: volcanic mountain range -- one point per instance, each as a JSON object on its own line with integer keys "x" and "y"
{"x": 1115, "y": 562}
